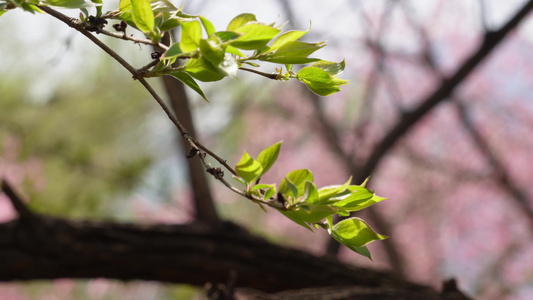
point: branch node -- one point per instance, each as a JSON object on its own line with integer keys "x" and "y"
{"x": 192, "y": 152}
{"x": 216, "y": 172}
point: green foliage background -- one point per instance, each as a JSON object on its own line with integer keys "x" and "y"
{"x": 91, "y": 143}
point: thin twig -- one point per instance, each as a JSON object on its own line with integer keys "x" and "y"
{"x": 124, "y": 36}
{"x": 267, "y": 75}
{"x": 78, "y": 25}
{"x": 218, "y": 158}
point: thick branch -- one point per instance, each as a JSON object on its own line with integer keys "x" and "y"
{"x": 447, "y": 86}
{"x": 192, "y": 254}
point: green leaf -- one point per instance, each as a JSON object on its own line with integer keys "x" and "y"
{"x": 254, "y": 36}
{"x": 358, "y": 199}
{"x": 226, "y": 36}
{"x": 69, "y": 3}
{"x": 241, "y": 20}
{"x": 295, "y": 218}
{"x": 270, "y": 190}
{"x": 211, "y": 52}
{"x": 311, "y": 213}
{"x": 361, "y": 250}
{"x": 189, "y": 81}
{"x": 164, "y": 6}
{"x": 124, "y": 5}
{"x": 355, "y": 233}
{"x": 286, "y": 37}
{"x": 320, "y": 81}
{"x": 170, "y": 24}
{"x": 321, "y": 88}
{"x": 173, "y": 51}
{"x": 235, "y": 51}
{"x": 332, "y": 68}
{"x": 314, "y": 74}
{"x": 298, "y": 178}
{"x": 310, "y": 192}
{"x": 240, "y": 180}
{"x": 191, "y": 34}
{"x": 292, "y": 188}
{"x": 203, "y": 70}
{"x": 26, "y": 6}
{"x": 208, "y": 26}
{"x": 143, "y": 16}
{"x": 248, "y": 168}
{"x": 294, "y": 52}
{"x": 268, "y": 157}
{"x": 98, "y": 4}
{"x": 327, "y": 192}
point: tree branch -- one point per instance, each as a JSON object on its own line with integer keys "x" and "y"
{"x": 446, "y": 88}
{"x": 190, "y": 254}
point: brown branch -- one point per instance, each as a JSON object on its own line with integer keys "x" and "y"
{"x": 189, "y": 254}
{"x": 492, "y": 39}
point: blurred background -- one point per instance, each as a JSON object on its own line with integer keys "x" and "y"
{"x": 83, "y": 140}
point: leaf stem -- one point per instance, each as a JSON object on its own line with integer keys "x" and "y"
{"x": 124, "y": 36}
{"x": 264, "y": 74}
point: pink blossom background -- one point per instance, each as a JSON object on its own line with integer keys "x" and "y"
{"x": 448, "y": 213}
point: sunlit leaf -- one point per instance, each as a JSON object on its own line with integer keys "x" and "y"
{"x": 170, "y": 24}
{"x": 226, "y": 36}
{"x": 191, "y": 34}
{"x": 203, "y": 70}
{"x": 143, "y": 16}
{"x": 286, "y": 37}
{"x": 354, "y": 233}
{"x": 327, "y": 192}
{"x": 208, "y": 26}
{"x": 211, "y": 52}
{"x": 254, "y": 36}
{"x": 320, "y": 81}
{"x": 268, "y": 157}
{"x": 248, "y": 168}
{"x": 294, "y": 52}
{"x": 163, "y": 6}
{"x": 240, "y": 20}
{"x": 69, "y": 3}
{"x": 310, "y": 192}
{"x": 298, "y": 178}
{"x": 124, "y": 5}
{"x": 270, "y": 189}
{"x": 332, "y": 68}
{"x": 358, "y": 198}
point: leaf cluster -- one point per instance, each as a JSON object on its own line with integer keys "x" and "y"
{"x": 298, "y": 199}
{"x": 208, "y": 54}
